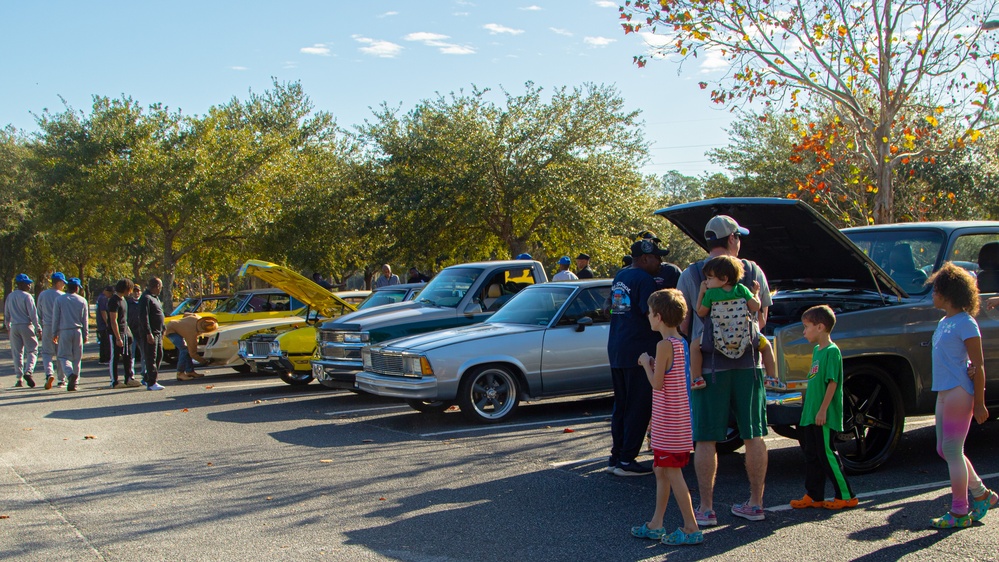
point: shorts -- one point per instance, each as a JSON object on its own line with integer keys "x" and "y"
{"x": 734, "y": 393}
{"x": 664, "y": 459}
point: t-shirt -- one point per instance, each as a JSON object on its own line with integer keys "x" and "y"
{"x": 119, "y": 306}
{"x": 719, "y": 294}
{"x": 690, "y": 285}
{"x": 630, "y": 333}
{"x": 668, "y": 276}
{"x": 827, "y": 366}
{"x": 102, "y": 306}
{"x": 671, "y": 430}
{"x": 950, "y": 356}
{"x": 564, "y": 275}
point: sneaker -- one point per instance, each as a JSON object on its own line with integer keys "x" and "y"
{"x": 71, "y": 385}
{"x": 981, "y": 507}
{"x": 706, "y": 518}
{"x": 746, "y": 511}
{"x": 611, "y": 465}
{"x": 698, "y": 384}
{"x": 633, "y": 468}
{"x": 155, "y": 386}
{"x": 840, "y": 504}
{"x": 132, "y": 383}
{"x": 61, "y": 384}
{"x": 29, "y": 381}
{"x": 195, "y": 374}
{"x": 185, "y": 377}
{"x": 806, "y": 501}
{"x": 948, "y": 521}
{"x": 49, "y": 382}
{"x": 18, "y": 384}
{"x": 117, "y": 385}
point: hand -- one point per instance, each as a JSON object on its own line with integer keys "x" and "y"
{"x": 85, "y": 339}
{"x": 756, "y": 288}
{"x": 55, "y": 340}
{"x": 820, "y": 418}
{"x": 704, "y": 285}
{"x": 981, "y": 413}
{"x": 644, "y": 360}
{"x": 118, "y": 342}
{"x": 150, "y": 339}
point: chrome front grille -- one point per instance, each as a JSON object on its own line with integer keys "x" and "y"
{"x": 260, "y": 348}
{"x": 387, "y": 363}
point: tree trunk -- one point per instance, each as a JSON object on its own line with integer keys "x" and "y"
{"x": 884, "y": 200}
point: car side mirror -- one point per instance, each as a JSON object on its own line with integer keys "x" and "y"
{"x": 583, "y": 322}
{"x": 473, "y": 308}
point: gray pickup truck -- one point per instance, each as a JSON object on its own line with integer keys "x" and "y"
{"x": 457, "y": 296}
{"x": 873, "y": 277}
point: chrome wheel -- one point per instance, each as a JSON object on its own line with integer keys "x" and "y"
{"x": 489, "y": 394}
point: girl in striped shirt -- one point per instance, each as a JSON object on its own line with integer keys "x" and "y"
{"x": 671, "y": 434}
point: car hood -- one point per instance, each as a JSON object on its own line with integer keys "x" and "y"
{"x": 442, "y": 338}
{"x": 235, "y": 331}
{"x": 400, "y": 312}
{"x": 794, "y": 245}
{"x": 298, "y": 286}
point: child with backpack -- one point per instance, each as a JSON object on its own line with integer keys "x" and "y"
{"x": 730, "y": 304}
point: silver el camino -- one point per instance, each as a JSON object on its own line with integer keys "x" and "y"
{"x": 549, "y": 340}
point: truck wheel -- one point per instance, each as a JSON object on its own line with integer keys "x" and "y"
{"x": 873, "y": 418}
{"x": 489, "y": 394}
{"x": 297, "y": 378}
{"x": 429, "y": 406}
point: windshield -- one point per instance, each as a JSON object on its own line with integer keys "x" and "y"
{"x": 231, "y": 304}
{"x": 449, "y": 286}
{"x": 909, "y": 256}
{"x": 534, "y": 307}
{"x": 186, "y": 305}
{"x": 386, "y": 296}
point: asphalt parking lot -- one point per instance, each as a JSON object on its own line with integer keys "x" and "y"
{"x": 244, "y": 467}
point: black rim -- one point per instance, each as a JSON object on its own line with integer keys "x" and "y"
{"x": 871, "y": 424}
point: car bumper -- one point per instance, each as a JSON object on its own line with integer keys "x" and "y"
{"x": 424, "y": 388}
{"x": 336, "y": 374}
{"x": 783, "y": 408}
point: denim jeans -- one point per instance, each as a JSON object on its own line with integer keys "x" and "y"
{"x": 184, "y": 362}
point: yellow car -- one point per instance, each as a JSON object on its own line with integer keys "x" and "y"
{"x": 288, "y": 353}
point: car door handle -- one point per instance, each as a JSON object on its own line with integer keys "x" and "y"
{"x": 924, "y": 344}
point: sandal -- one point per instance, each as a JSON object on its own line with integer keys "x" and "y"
{"x": 949, "y": 521}
{"x": 806, "y": 501}
{"x": 698, "y": 384}
{"x": 980, "y": 507}
{"x": 644, "y": 532}
{"x": 678, "y": 537}
{"x": 840, "y": 504}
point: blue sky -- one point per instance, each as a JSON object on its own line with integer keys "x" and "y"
{"x": 349, "y": 57}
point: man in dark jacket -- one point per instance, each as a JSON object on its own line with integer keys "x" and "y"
{"x": 151, "y": 324}
{"x": 138, "y": 365}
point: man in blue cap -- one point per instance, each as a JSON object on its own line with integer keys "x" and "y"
{"x": 20, "y": 317}
{"x": 46, "y": 310}
{"x": 70, "y": 318}
{"x": 563, "y": 270}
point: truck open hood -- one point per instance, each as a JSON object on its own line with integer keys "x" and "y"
{"x": 324, "y": 302}
{"x": 794, "y": 245}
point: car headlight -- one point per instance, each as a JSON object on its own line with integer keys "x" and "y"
{"x": 417, "y": 365}
{"x": 356, "y": 337}
{"x": 366, "y": 358}
{"x": 275, "y": 348}
{"x": 242, "y": 346}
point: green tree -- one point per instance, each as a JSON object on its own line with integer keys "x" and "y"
{"x": 16, "y": 217}
{"x": 893, "y": 70}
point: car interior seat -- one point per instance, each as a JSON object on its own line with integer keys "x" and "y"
{"x": 493, "y": 292}
{"x": 988, "y": 268}
{"x": 904, "y": 271}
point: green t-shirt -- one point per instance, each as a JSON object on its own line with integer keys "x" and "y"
{"x": 718, "y": 294}
{"x": 827, "y": 366}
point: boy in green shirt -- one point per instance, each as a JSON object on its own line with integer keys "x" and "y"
{"x": 822, "y": 415}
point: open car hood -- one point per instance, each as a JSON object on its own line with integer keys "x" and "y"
{"x": 326, "y": 303}
{"x": 794, "y": 245}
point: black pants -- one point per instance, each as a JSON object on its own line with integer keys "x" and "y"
{"x": 632, "y": 412}
{"x": 822, "y": 462}
{"x": 121, "y": 356}
{"x": 152, "y": 354}
{"x": 104, "y": 344}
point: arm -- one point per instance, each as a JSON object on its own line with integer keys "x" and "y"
{"x": 754, "y": 303}
{"x": 192, "y": 350}
{"x": 820, "y": 416}
{"x": 974, "y": 347}
{"x": 655, "y": 370}
{"x": 113, "y": 323}
{"x": 702, "y": 310}
{"x": 55, "y": 322}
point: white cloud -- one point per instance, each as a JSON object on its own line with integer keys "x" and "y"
{"x": 388, "y": 14}
{"x": 238, "y": 68}
{"x": 318, "y": 49}
{"x": 461, "y": 14}
{"x": 598, "y": 41}
{"x": 531, "y": 8}
{"x": 378, "y": 47}
{"x": 714, "y": 61}
{"x": 606, "y": 4}
{"x": 495, "y": 28}
{"x": 437, "y": 40}
{"x": 424, "y": 36}
{"x": 561, "y": 31}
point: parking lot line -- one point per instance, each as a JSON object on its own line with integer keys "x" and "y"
{"x": 340, "y": 413}
{"x": 601, "y": 419}
{"x": 941, "y": 484}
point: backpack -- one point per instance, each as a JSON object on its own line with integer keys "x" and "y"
{"x": 731, "y": 324}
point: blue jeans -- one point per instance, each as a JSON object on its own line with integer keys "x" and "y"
{"x": 184, "y": 362}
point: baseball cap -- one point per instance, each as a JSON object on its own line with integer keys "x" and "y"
{"x": 648, "y": 235}
{"x": 583, "y": 257}
{"x": 722, "y": 226}
{"x": 23, "y": 278}
{"x": 524, "y": 256}
{"x": 74, "y": 281}
{"x": 564, "y": 260}
{"x": 647, "y": 246}
{"x": 58, "y": 276}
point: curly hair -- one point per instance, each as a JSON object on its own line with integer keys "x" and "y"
{"x": 724, "y": 266}
{"x": 669, "y": 305}
{"x": 956, "y": 286}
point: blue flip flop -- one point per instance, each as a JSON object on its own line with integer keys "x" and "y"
{"x": 678, "y": 537}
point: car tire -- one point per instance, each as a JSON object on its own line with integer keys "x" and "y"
{"x": 429, "y": 406}
{"x": 296, "y": 378}
{"x": 873, "y": 418}
{"x": 489, "y": 394}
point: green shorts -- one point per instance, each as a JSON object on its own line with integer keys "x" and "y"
{"x": 736, "y": 393}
